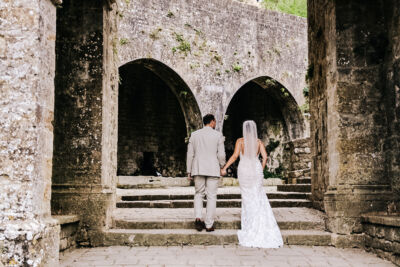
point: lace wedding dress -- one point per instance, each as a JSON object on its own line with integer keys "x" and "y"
{"x": 259, "y": 227}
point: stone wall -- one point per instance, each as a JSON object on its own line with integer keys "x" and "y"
{"x": 28, "y": 235}
{"x": 251, "y": 2}
{"x": 382, "y": 235}
{"x": 69, "y": 228}
{"x": 216, "y": 46}
{"x": 297, "y": 154}
{"x": 348, "y": 96}
{"x": 85, "y": 123}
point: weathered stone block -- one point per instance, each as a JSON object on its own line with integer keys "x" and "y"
{"x": 369, "y": 229}
{"x": 349, "y": 241}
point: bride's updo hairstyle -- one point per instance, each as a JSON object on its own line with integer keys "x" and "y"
{"x": 250, "y": 139}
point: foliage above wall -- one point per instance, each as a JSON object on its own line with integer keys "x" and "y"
{"x": 294, "y": 7}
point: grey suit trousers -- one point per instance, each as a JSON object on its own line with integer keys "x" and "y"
{"x": 205, "y": 185}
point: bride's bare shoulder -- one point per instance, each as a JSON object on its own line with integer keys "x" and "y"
{"x": 239, "y": 140}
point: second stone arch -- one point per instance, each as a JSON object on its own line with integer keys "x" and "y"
{"x": 278, "y": 116}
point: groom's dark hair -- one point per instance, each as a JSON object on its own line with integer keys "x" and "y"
{"x": 208, "y": 118}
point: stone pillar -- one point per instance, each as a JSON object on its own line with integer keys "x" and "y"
{"x": 28, "y": 235}
{"x": 347, "y": 103}
{"x": 85, "y": 128}
{"x": 392, "y": 74}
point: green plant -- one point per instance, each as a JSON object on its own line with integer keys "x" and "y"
{"x": 285, "y": 93}
{"x": 170, "y": 14}
{"x": 268, "y": 174}
{"x": 276, "y": 51}
{"x": 270, "y": 82}
{"x": 294, "y": 7}
{"x": 184, "y": 46}
{"x": 227, "y": 71}
{"x": 179, "y": 37}
{"x": 218, "y": 58}
{"x": 236, "y": 67}
{"x": 114, "y": 44}
{"x": 123, "y": 41}
{"x": 305, "y": 108}
{"x": 155, "y": 34}
{"x": 218, "y": 72}
{"x": 276, "y": 173}
{"x": 127, "y": 2}
{"x": 188, "y": 25}
{"x": 279, "y": 171}
{"x": 199, "y": 32}
{"x": 194, "y": 65}
{"x": 306, "y": 91}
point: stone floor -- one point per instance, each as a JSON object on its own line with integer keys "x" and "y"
{"x": 219, "y": 256}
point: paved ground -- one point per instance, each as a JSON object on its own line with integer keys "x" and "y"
{"x": 219, "y": 256}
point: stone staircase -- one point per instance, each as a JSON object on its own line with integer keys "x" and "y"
{"x": 164, "y": 217}
{"x": 301, "y": 185}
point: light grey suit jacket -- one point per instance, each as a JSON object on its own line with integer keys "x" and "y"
{"x": 206, "y": 153}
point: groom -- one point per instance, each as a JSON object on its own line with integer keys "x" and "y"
{"x": 205, "y": 158}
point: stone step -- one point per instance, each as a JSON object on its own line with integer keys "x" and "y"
{"x": 220, "y": 224}
{"x": 225, "y": 218}
{"x": 221, "y": 203}
{"x": 152, "y": 182}
{"x": 305, "y": 180}
{"x": 166, "y": 196}
{"x": 177, "y": 237}
{"x": 294, "y": 188}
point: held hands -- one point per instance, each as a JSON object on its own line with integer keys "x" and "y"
{"x": 223, "y": 172}
{"x": 189, "y": 177}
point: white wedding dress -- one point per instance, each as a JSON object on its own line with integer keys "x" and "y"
{"x": 259, "y": 227}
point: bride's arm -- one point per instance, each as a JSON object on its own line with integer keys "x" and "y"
{"x": 263, "y": 154}
{"x": 233, "y": 158}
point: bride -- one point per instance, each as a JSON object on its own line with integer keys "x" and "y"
{"x": 259, "y": 227}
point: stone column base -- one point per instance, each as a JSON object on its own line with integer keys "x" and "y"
{"x": 30, "y": 242}
{"x": 92, "y": 203}
{"x": 344, "y": 205}
{"x": 348, "y": 241}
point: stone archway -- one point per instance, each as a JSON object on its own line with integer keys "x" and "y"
{"x": 277, "y": 114}
{"x": 157, "y": 112}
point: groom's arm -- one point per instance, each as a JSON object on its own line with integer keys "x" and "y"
{"x": 221, "y": 151}
{"x": 189, "y": 157}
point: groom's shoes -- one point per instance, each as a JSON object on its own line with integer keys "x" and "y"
{"x": 199, "y": 225}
